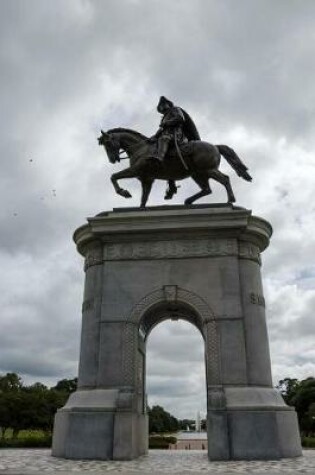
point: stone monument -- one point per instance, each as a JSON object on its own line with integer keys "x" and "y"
{"x": 197, "y": 263}
{"x": 201, "y": 264}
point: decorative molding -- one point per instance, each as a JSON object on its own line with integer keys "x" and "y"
{"x": 172, "y": 293}
{"x": 170, "y": 249}
{"x": 182, "y": 296}
{"x": 130, "y": 342}
{"x": 93, "y": 255}
{"x": 144, "y": 304}
{"x": 140, "y": 381}
{"x": 197, "y": 303}
{"x": 248, "y": 250}
{"x": 184, "y": 248}
{"x": 213, "y": 354}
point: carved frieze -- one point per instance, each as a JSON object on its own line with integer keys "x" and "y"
{"x": 248, "y": 250}
{"x": 170, "y": 249}
{"x": 93, "y": 255}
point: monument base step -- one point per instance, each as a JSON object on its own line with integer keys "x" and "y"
{"x": 99, "y": 435}
{"x": 253, "y": 434}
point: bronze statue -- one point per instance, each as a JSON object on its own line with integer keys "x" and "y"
{"x": 176, "y": 127}
{"x": 175, "y": 152}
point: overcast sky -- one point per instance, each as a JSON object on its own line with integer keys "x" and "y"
{"x": 243, "y": 69}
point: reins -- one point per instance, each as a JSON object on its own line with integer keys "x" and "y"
{"x": 124, "y": 151}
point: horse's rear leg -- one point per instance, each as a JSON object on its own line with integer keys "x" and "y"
{"x": 225, "y": 181}
{"x": 203, "y": 182}
{"x": 127, "y": 173}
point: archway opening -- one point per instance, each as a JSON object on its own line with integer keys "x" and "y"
{"x": 176, "y": 376}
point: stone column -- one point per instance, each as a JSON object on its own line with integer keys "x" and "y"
{"x": 91, "y": 316}
{"x": 217, "y": 428}
{"x": 258, "y": 418}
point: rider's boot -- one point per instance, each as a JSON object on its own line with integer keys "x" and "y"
{"x": 171, "y": 190}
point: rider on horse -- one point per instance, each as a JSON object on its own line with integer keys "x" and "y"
{"x": 176, "y": 127}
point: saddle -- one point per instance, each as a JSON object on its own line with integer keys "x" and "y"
{"x": 172, "y": 154}
{"x": 184, "y": 147}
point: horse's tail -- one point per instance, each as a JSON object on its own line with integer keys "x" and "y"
{"x": 234, "y": 160}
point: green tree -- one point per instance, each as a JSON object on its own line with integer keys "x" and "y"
{"x": 161, "y": 421}
{"x": 37, "y": 388}
{"x": 5, "y": 415}
{"x": 301, "y": 395}
{"x": 10, "y": 382}
{"x": 67, "y": 385}
{"x": 30, "y": 407}
{"x": 303, "y": 402}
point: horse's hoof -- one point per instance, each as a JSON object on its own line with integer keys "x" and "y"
{"x": 125, "y": 194}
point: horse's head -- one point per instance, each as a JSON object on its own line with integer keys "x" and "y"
{"x": 111, "y": 145}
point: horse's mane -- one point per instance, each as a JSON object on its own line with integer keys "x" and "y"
{"x": 133, "y": 132}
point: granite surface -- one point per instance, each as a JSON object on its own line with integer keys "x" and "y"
{"x": 157, "y": 462}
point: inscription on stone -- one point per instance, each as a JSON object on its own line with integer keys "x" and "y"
{"x": 170, "y": 249}
{"x": 257, "y": 299}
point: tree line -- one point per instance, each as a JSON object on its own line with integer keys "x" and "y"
{"x": 161, "y": 421}
{"x": 30, "y": 407}
{"x": 34, "y": 406}
{"x": 301, "y": 395}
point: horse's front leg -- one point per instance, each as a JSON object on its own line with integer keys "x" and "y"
{"x": 146, "y": 189}
{"x": 127, "y": 173}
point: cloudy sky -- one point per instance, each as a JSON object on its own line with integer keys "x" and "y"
{"x": 244, "y": 70}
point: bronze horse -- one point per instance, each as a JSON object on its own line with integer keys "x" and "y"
{"x": 199, "y": 160}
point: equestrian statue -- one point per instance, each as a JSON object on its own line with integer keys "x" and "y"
{"x": 175, "y": 152}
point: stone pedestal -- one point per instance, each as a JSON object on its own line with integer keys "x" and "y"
{"x": 201, "y": 264}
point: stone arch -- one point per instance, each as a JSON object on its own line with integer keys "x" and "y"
{"x": 169, "y": 295}
{"x": 172, "y": 293}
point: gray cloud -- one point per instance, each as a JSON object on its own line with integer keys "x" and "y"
{"x": 244, "y": 72}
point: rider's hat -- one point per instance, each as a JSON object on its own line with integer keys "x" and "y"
{"x": 163, "y": 101}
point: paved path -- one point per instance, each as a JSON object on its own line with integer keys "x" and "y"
{"x": 158, "y": 462}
